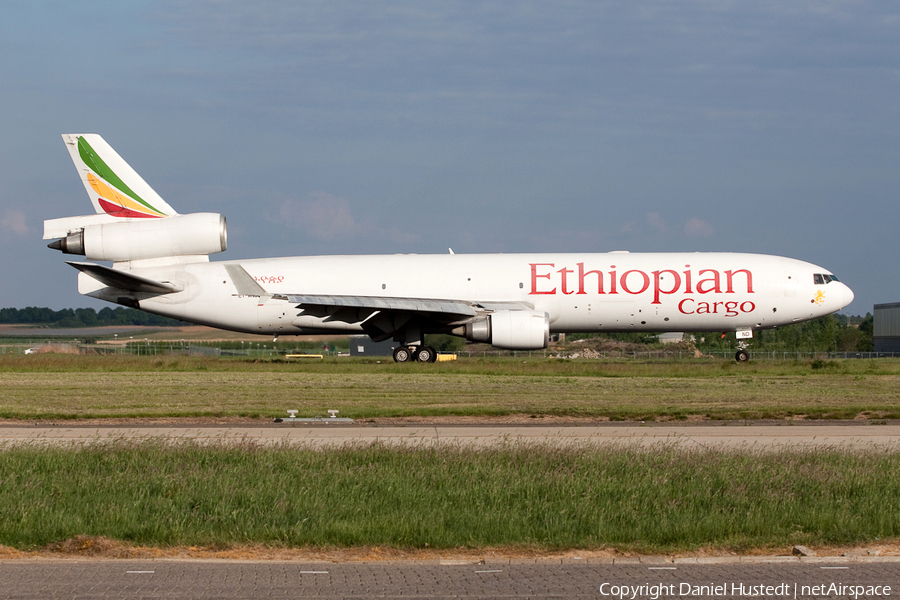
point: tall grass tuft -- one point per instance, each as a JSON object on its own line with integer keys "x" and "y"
{"x": 664, "y": 499}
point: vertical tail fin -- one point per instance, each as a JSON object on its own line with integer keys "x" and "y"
{"x": 114, "y": 187}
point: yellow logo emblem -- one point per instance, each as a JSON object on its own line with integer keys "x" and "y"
{"x": 820, "y": 297}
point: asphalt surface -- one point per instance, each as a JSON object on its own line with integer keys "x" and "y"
{"x": 719, "y": 436}
{"x": 85, "y": 580}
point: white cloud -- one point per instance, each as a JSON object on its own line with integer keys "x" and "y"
{"x": 698, "y": 228}
{"x": 402, "y": 237}
{"x": 13, "y": 221}
{"x": 322, "y": 216}
{"x": 656, "y": 222}
{"x": 326, "y": 217}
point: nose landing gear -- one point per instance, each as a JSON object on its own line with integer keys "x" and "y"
{"x": 742, "y": 335}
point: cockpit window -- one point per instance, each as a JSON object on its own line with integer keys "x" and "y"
{"x": 823, "y": 278}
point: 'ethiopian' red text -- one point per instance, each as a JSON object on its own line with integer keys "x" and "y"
{"x": 546, "y": 279}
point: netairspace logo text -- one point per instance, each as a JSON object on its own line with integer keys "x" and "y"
{"x": 718, "y": 590}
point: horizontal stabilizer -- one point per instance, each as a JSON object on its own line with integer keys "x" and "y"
{"x": 124, "y": 280}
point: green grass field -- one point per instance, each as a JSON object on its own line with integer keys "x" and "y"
{"x": 540, "y": 498}
{"x": 537, "y": 497}
{"x": 71, "y": 387}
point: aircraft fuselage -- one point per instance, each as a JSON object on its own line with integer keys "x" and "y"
{"x": 611, "y": 292}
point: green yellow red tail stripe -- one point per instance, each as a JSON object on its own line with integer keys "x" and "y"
{"x": 114, "y": 196}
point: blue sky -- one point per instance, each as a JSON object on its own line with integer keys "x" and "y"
{"x": 380, "y": 127}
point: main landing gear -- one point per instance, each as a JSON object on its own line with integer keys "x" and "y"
{"x": 425, "y": 354}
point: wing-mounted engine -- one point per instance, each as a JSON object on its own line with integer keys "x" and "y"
{"x": 509, "y": 329}
{"x": 198, "y": 234}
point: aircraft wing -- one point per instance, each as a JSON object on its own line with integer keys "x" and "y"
{"x": 381, "y": 317}
{"x": 452, "y": 308}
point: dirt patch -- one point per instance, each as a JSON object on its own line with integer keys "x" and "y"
{"x": 209, "y": 334}
{"x": 6, "y": 553}
{"x": 519, "y": 420}
{"x": 57, "y": 349}
{"x": 86, "y": 545}
{"x": 102, "y": 547}
{"x": 143, "y": 422}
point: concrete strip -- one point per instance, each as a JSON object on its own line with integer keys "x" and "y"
{"x": 459, "y": 561}
{"x": 770, "y": 559}
{"x": 717, "y": 560}
{"x": 655, "y": 560}
{"x": 770, "y": 437}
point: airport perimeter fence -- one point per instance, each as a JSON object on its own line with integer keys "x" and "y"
{"x": 266, "y": 352}
{"x": 152, "y": 349}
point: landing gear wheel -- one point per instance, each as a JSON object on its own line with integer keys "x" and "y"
{"x": 402, "y": 354}
{"x": 742, "y": 356}
{"x": 426, "y": 354}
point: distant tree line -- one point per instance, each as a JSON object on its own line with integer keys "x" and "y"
{"x": 831, "y": 333}
{"x": 83, "y": 317}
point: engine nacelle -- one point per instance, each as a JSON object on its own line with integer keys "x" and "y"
{"x": 510, "y": 329}
{"x": 181, "y": 235}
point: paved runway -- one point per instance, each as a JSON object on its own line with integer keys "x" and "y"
{"x": 86, "y": 580}
{"x": 719, "y": 436}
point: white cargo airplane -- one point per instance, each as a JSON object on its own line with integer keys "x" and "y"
{"x": 513, "y": 301}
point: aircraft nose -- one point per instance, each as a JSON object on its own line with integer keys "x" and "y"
{"x": 847, "y": 295}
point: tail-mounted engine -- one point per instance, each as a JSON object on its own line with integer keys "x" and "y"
{"x": 509, "y": 329}
{"x": 181, "y": 235}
